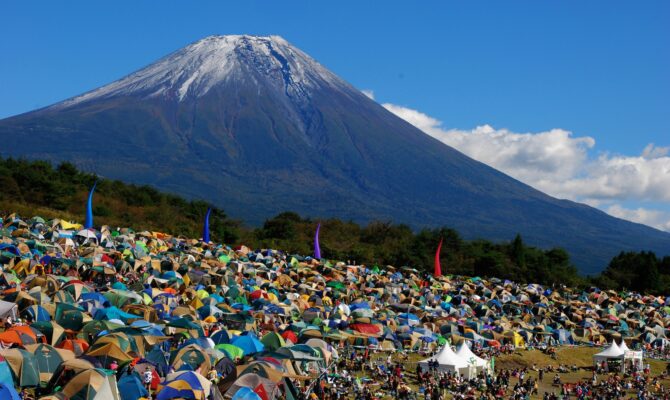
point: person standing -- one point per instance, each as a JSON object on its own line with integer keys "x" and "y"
{"x": 148, "y": 377}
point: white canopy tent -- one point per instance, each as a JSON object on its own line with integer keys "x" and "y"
{"x": 475, "y": 363}
{"x": 620, "y": 354}
{"x": 447, "y": 360}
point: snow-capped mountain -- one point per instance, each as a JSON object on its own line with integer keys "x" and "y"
{"x": 257, "y": 127}
{"x": 194, "y": 70}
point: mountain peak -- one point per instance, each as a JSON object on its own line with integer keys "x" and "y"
{"x": 194, "y": 70}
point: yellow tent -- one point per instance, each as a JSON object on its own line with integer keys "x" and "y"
{"x": 515, "y": 339}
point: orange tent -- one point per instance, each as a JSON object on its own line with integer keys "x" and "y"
{"x": 77, "y": 346}
{"x": 19, "y": 335}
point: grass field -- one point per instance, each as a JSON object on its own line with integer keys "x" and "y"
{"x": 567, "y": 356}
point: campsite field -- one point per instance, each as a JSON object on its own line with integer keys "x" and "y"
{"x": 522, "y": 358}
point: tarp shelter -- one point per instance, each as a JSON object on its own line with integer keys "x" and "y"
{"x": 447, "y": 360}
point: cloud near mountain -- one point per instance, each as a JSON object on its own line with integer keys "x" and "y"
{"x": 561, "y": 164}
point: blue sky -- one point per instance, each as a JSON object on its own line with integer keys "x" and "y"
{"x": 597, "y": 69}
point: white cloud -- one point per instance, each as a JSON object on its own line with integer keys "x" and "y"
{"x": 655, "y": 218}
{"x": 558, "y": 163}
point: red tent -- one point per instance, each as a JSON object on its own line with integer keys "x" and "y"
{"x": 290, "y": 335}
{"x": 369, "y": 329}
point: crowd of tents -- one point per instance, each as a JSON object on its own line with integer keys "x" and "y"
{"x": 99, "y": 307}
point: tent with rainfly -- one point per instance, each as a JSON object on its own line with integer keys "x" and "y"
{"x": 249, "y": 344}
{"x": 20, "y": 334}
{"x": 131, "y": 387}
{"x": 192, "y": 356}
{"x": 184, "y": 384}
{"x": 23, "y": 366}
{"x": 272, "y": 341}
{"x": 92, "y": 384}
{"x": 48, "y": 358}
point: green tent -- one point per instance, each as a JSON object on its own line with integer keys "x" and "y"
{"x": 272, "y": 341}
{"x": 23, "y": 366}
{"x": 233, "y": 352}
{"x": 48, "y": 358}
{"x": 69, "y": 316}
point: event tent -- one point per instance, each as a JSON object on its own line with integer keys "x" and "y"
{"x": 474, "y": 363}
{"x": 447, "y": 360}
{"x": 620, "y": 355}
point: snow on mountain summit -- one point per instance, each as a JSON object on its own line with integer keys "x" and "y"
{"x": 195, "y": 69}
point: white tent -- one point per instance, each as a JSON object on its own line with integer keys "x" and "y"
{"x": 447, "y": 360}
{"x": 474, "y": 362}
{"x": 623, "y": 346}
{"x": 619, "y": 353}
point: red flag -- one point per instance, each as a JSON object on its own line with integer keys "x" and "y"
{"x": 260, "y": 391}
{"x": 438, "y": 268}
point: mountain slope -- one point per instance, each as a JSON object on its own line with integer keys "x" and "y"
{"x": 257, "y": 127}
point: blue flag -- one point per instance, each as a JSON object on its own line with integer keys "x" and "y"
{"x": 317, "y": 248}
{"x": 89, "y": 209}
{"x": 205, "y": 228}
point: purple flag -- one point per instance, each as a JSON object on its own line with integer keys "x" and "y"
{"x": 317, "y": 248}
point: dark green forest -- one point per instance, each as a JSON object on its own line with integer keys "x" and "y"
{"x": 38, "y": 188}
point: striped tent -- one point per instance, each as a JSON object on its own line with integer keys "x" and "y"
{"x": 186, "y": 385}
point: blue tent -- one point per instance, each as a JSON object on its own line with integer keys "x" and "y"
{"x": 113, "y": 313}
{"x": 157, "y": 358}
{"x": 173, "y": 389}
{"x": 37, "y": 313}
{"x": 207, "y": 310}
{"x": 96, "y": 296}
{"x": 249, "y": 344}
{"x": 131, "y": 388}
{"x": 5, "y": 373}
{"x": 221, "y": 336}
{"x": 408, "y": 319}
{"x": 7, "y": 391}
{"x": 563, "y": 336}
{"x": 246, "y": 394}
{"x": 358, "y": 305}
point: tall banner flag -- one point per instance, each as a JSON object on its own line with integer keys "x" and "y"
{"x": 205, "y": 227}
{"x": 88, "y": 224}
{"x": 317, "y": 248}
{"x": 438, "y": 267}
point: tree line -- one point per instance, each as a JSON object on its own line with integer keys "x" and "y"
{"x": 38, "y": 188}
